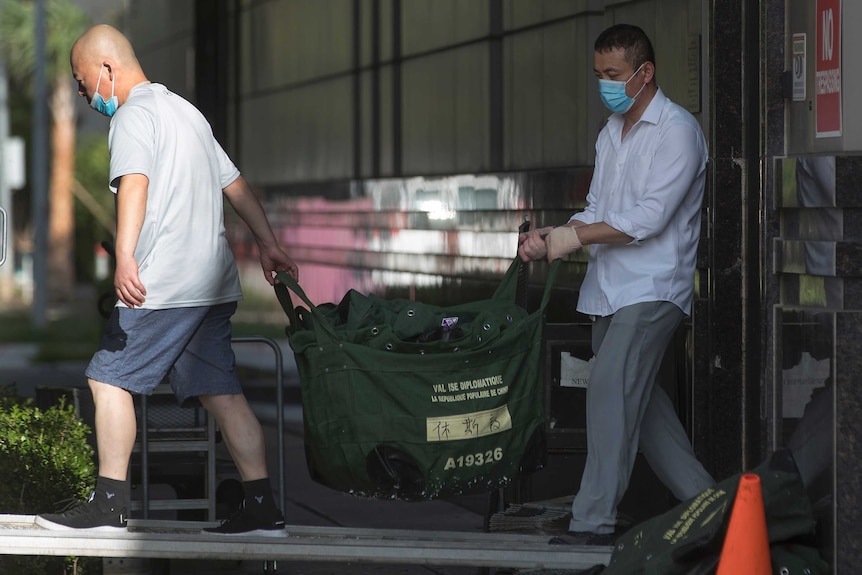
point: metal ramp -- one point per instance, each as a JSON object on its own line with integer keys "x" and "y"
{"x": 19, "y": 535}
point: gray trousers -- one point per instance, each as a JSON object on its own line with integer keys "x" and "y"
{"x": 626, "y": 410}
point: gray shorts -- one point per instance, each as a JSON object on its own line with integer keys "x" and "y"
{"x": 190, "y": 346}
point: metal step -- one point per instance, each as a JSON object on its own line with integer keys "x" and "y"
{"x": 170, "y": 504}
{"x": 19, "y": 535}
{"x": 174, "y": 446}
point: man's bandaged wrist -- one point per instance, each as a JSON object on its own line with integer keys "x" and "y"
{"x": 563, "y": 240}
{"x": 567, "y": 238}
{"x": 575, "y": 240}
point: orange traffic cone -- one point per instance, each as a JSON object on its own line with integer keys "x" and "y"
{"x": 746, "y": 544}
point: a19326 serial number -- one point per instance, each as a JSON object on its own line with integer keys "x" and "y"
{"x": 475, "y": 459}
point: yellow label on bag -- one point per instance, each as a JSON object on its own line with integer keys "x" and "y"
{"x": 468, "y": 425}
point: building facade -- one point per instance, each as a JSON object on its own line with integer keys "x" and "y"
{"x": 398, "y": 145}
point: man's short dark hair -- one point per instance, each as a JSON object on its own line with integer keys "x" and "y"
{"x": 634, "y": 41}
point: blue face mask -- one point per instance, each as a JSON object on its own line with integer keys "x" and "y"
{"x": 99, "y": 104}
{"x": 613, "y": 93}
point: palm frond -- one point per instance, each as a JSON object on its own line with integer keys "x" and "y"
{"x": 64, "y": 22}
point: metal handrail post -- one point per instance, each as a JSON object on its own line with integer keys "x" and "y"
{"x": 279, "y": 401}
{"x": 145, "y": 458}
{"x": 3, "y": 235}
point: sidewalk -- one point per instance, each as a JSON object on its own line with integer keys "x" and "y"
{"x": 17, "y": 367}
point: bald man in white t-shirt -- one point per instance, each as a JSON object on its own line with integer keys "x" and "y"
{"x": 176, "y": 282}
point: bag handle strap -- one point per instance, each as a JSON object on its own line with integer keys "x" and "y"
{"x": 505, "y": 291}
{"x": 509, "y": 284}
{"x": 549, "y": 283}
{"x": 284, "y": 299}
{"x": 321, "y": 327}
{"x": 508, "y": 287}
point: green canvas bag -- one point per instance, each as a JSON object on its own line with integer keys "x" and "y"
{"x": 688, "y": 539}
{"x": 415, "y": 401}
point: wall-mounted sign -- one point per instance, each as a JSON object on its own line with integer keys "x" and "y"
{"x": 798, "y": 54}
{"x": 827, "y": 81}
{"x": 14, "y": 163}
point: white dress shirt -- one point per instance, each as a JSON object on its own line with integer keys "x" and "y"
{"x": 649, "y": 186}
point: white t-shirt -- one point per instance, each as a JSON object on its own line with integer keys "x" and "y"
{"x": 183, "y": 256}
{"x": 650, "y": 187}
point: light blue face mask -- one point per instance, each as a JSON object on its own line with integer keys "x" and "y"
{"x": 613, "y": 93}
{"x": 99, "y": 104}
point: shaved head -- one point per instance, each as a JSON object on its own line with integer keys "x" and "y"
{"x": 105, "y": 51}
{"x": 103, "y": 41}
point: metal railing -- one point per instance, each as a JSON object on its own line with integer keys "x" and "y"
{"x": 208, "y": 445}
{"x": 3, "y": 236}
{"x": 279, "y": 403}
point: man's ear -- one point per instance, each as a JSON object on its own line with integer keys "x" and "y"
{"x": 110, "y": 67}
{"x": 649, "y": 72}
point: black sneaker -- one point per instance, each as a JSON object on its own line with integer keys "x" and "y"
{"x": 89, "y": 515}
{"x": 243, "y": 522}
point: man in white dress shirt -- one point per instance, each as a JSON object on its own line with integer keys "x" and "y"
{"x": 642, "y": 223}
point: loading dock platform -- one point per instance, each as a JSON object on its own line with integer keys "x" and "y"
{"x": 19, "y": 535}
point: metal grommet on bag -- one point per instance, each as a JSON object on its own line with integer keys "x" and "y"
{"x": 509, "y": 318}
{"x": 478, "y": 338}
{"x": 487, "y": 327}
{"x": 389, "y": 347}
{"x": 421, "y": 352}
{"x": 375, "y": 331}
{"x": 786, "y": 571}
{"x": 411, "y": 313}
{"x": 456, "y": 349}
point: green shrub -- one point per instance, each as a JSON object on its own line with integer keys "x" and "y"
{"x": 45, "y": 459}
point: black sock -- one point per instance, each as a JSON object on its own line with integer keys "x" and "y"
{"x": 258, "y": 496}
{"x": 111, "y": 494}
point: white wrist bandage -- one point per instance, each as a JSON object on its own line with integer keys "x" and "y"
{"x": 561, "y": 241}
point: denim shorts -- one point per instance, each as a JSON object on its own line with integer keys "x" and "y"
{"x": 188, "y": 346}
